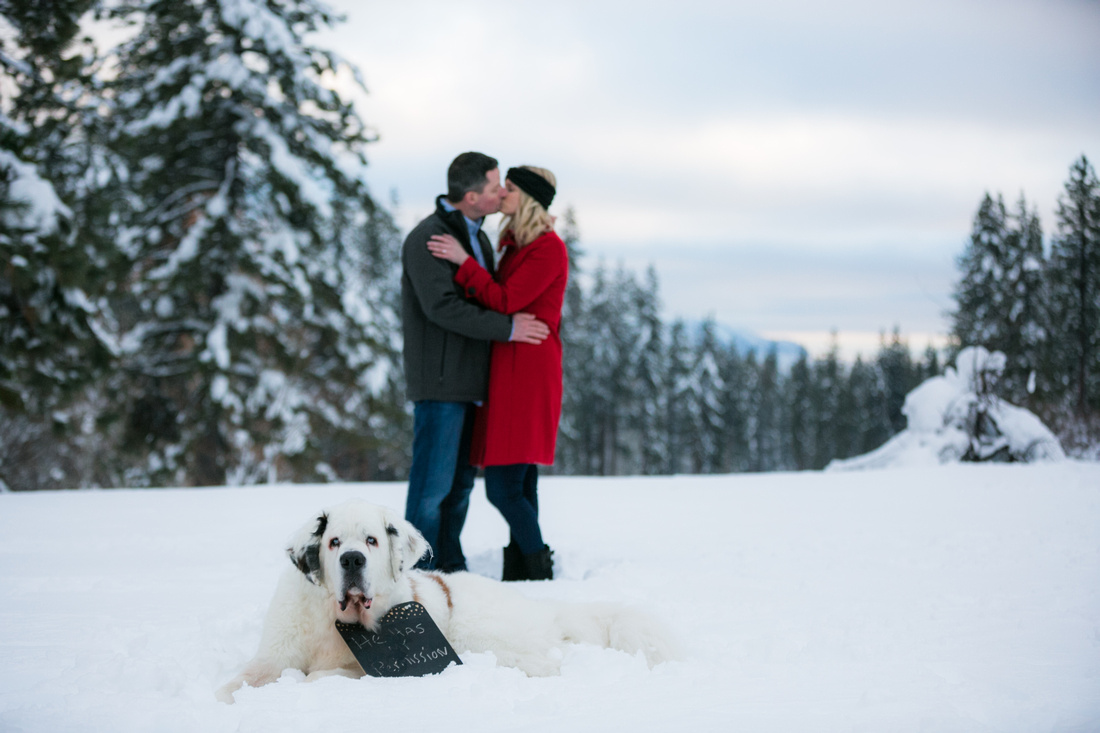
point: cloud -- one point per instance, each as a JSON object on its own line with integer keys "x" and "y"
{"x": 776, "y": 287}
{"x": 846, "y": 181}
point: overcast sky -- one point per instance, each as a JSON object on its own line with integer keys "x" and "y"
{"x": 790, "y": 167}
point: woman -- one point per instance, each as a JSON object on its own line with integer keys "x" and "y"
{"x": 517, "y": 427}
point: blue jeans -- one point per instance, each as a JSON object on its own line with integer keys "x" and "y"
{"x": 441, "y": 479}
{"x": 513, "y": 490}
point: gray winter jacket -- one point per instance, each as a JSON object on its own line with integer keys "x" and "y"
{"x": 447, "y": 337}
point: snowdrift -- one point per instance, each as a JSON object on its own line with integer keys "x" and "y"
{"x": 955, "y": 417}
{"x": 955, "y": 598}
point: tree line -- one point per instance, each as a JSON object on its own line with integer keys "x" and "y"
{"x": 647, "y": 397}
{"x": 1039, "y": 303}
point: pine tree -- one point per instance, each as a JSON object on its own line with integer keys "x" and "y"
{"x": 801, "y": 416}
{"x": 611, "y": 331}
{"x": 827, "y": 391}
{"x": 378, "y": 447}
{"x": 596, "y": 410}
{"x": 1074, "y": 277}
{"x": 847, "y": 426}
{"x": 751, "y": 390}
{"x": 769, "y": 416}
{"x": 736, "y": 402}
{"x": 976, "y": 318}
{"x": 929, "y": 365}
{"x": 576, "y": 361}
{"x": 1000, "y": 294}
{"x": 56, "y": 268}
{"x": 52, "y": 341}
{"x": 677, "y": 388}
{"x": 706, "y": 388}
{"x": 1026, "y": 327}
{"x": 896, "y": 366}
{"x": 250, "y": 331}
{"x": 625, "y": 339}
{"x": 650, "y": 369}
{"x": 573, "y": 306}
{"x": 868, "y": 389}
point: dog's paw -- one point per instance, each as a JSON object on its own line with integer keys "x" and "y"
{"x": 225, "y": 692}
{"x": 320, "y": 674}
{"x": 541, "y": 663}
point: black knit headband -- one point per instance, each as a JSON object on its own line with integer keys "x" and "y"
{"x": 533, "y": 185}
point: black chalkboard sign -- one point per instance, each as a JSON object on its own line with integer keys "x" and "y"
{"x": 407, "y": 644}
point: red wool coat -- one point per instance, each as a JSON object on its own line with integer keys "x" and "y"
{"x": 518, "y": 423}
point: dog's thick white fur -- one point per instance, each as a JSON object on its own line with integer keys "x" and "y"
{"x": 354, "y": 562}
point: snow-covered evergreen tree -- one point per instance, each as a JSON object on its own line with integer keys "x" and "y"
{"x": 868, "y": 387}
{"x": 252, "y": 330}
{"x": 624, "y": 447}
{"x": 380, "y": 447}
{"x": 576, "y": 359}
{"x": 1074, "y": 278}
{"x": 736, "y": 403}
{"x": 1027, "y": 325}
{"x": 768, "y": 404}
{"x": 706, "y": 389}
{"x": 51, "y": 274}
{"x": 929, "y": 366}
{"x": 801, "y": 423}
{"x": 978, "y": 295}
{"x": 899, "y": 378}
{"x": 596, "y": 402}
{"x": 651, "y": 364}
{"x": 602, "y": 413}
{"x": 846, "y": 424}
{"x": 827, "y": 390}
{"x": 999, "y": 298}
{"x": 750, "y": 388}
{"x": 56, "y": 265}
{"x": 677, "y": 388}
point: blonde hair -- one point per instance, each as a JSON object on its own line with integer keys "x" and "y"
{"x": 530, "y": 219}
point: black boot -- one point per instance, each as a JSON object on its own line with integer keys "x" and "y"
{"x": 540, "y": 565}
{"x": 513, "y": 563}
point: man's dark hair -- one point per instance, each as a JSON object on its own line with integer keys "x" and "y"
{"x": 468, "y": 172}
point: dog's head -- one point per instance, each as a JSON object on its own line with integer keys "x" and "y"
{"x": 356, "y": 551}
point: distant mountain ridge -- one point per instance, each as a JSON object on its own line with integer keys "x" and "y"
{"x": 787, "y": 352}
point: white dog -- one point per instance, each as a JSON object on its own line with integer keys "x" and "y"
{"x": 354, "y": 562}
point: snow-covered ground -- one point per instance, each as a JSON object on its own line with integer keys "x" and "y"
{"x": 957, "y": 415}
{"x": 946, "y": 598}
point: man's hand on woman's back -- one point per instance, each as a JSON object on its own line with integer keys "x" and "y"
{"x": 526, "y": 329}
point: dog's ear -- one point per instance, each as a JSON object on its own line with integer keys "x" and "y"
{"x": 407, "y": 545}
{"x": 305, "y": 548}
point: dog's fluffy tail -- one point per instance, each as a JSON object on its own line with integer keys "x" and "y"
{"x": 618, "y": 627}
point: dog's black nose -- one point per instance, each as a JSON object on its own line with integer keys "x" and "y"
{"x": 354, "y": 560}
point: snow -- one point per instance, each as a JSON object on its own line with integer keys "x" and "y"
{"x": 293, "y": 168}
{"x": 188, "y": 247}
{"x": 43, "y": 207}
{"x": 256, "y": 21}
{"x": 939, "y": 411}
{"x": 947, "y": 598}
{"x": 188, "y": 103}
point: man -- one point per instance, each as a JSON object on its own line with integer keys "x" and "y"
{"x": 447, "y": 342}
